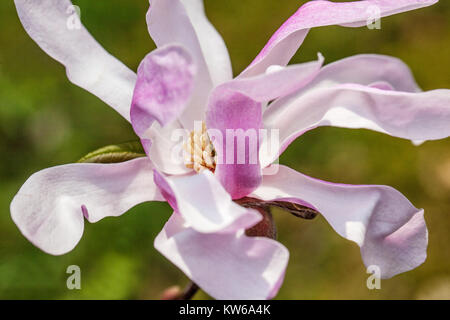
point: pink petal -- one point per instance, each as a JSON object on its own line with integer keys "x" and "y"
{"x": 234, "y": 115}
{"x": 390, "y": 231}
{"x": 413, "y": 116}
{"x": 50, "y": 206}
{"x": 163, "y": 88}
{"x": 237, "y": 105}
{"x": 184, "y": 22}
{"x": 288, "y": 38}
{"x": 204, "y": 203}
{"x": 272, "y": 85}
{"x": 87, "y": 64}
{"x": 226, "y": 266}
{"x": 368, "y": 70}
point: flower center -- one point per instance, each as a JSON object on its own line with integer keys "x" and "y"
{"x": 200, "y": 153}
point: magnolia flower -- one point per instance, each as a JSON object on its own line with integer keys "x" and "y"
{"x": 188, "y": 78}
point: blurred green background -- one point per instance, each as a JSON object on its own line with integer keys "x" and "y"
{"x": 46, "y": 121}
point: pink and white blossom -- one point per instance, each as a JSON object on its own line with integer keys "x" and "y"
{"x": 188, "y": 78}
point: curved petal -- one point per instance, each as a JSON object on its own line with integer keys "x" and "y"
{"x": 236, "y": 105}
{"x": 277, "y": 83}
{"x": 288, "y": 38}
{"x": 204, "y": 203}
{"x": 49, "y": 207}
{"x": 414, "y": 116}
{"x": 390, "y": 231}
{"x": 383, "y": 72}
{"x": 184, "y": 22}
{"x": 233, "y": 121}
{"x": 56, "y": 28}
{"x": 165, "y": 80}
{"x": 226, "y": 266}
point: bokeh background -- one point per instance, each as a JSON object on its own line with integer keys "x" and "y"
{"x": 46, "y": 121}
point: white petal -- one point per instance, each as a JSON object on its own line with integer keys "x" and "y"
{"x": 226, "y": 266}
{"x": 49, "y": 207}
{"x": 56, "y": 28}
{"x": 184, "y": 22}
{"x": 390, "y": 231}
{"x": 204, "y": 203}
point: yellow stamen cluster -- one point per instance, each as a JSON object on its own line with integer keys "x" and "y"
{"x": 200, "y": 153}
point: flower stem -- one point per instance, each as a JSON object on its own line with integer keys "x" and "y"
{"x": 189, "y": 291}
{"x": 175, "y": 293}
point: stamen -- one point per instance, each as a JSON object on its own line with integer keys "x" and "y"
{"x": 200, "y": 153}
